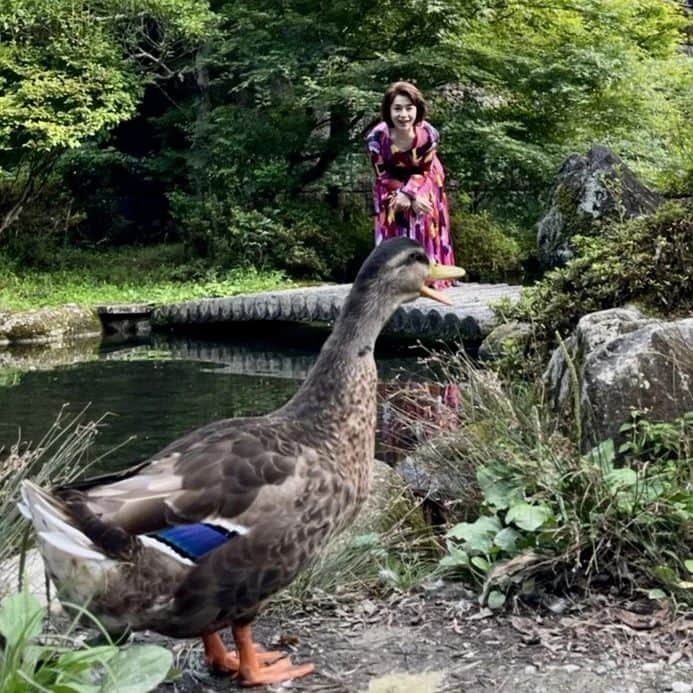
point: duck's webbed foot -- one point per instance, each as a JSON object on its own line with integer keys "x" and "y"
{"x": 220, "y": 659}
{"x": 253, "y": 671}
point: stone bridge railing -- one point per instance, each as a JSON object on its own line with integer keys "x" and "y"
{"x": 469, "y": 319}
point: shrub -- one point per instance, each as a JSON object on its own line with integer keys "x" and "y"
{"x": 645, "y": 260}
{"x": 122, "y": 202}
{"x": 303, "y": 238}
{"x": 486, "y": 252}
{"x": 43, "y": 226}
{"x": 551, "y": 517}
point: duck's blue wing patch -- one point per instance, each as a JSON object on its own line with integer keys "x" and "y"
{"x": 194, "y": 541}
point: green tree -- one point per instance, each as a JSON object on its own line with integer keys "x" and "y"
{"x": 544, "y": 80}
{"x": 294, "y": 85}
{"x": 70, "y": 70}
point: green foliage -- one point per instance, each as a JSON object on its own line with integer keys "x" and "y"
{"x": 118, "y": 200}
{"x": 62, "y": 67}
{"x": 551, "y": 516}
{"x": 483, "y": 249}
{"x": 296, "y": 239}
{"x": 263, "y": 109}
{"x": 156, "y": 274}
{"x": 536, "y": 83}
{"x": 63, "y": 77}
{"x": 34, "y": 660}
{"x": 69, "y": 71}
{"x": 645, "y": 260}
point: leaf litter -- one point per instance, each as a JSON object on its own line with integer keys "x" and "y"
{"x": 442, "y": 641}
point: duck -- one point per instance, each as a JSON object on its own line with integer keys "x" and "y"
{"x": 199, "y": 536}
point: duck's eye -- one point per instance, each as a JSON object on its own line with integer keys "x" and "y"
{"x": 416, "y": 256}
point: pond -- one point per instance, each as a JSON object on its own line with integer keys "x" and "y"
{"x": 157, "y": 389}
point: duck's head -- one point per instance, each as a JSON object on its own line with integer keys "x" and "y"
{"x": 399, "y": 270}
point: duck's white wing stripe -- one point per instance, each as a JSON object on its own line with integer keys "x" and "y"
{"x": 157, "y": 545}
{"x": 228, "y": 525}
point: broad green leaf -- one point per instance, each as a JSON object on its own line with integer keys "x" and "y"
{"x": 506, "y": 539}
{"x": 657, "y": 594}
{"x": 138, "y": 669}
{"x": 603, "y": 455}
{"x": 460, "y": 559}
{"x": 666, "y": 574}
{"x": 498, "y": 492}
{"x": 477, "y": 536}
{"x": 456, "y": 556}
{"x": 621, "y": 478}
{"x": 21, "y": 617}
{"x": 80, "y": 660}
{"x": 75, "y": 687}
{"x": 689, "y": 564}
{"x": 481, "y": 563}
{"x": 495, "y": 600}
{"x": 528, "y": 517}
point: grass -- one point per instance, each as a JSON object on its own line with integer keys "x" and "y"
{"x": 157, "y": 274}
{"x": 398, "y": 552}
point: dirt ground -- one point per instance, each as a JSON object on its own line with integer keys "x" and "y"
{"x": 443, "y": 641}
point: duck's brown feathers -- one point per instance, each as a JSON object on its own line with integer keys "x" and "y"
{"x": 287, "y": 485}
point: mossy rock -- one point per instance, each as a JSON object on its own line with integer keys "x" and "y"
{"x": 507, "y": 339}
{"x": 48, "y": 325}
{"x": 588, "y": 191}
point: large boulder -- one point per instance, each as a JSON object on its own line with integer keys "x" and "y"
{"x": 589, "y": 190}
{"x": 47, "y": 325}
{"x": 505, "y": 339}
{"x": 618, "y": 360}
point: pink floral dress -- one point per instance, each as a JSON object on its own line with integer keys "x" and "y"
{"x": 418, "y": 173}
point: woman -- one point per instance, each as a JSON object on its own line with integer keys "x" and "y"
{"x": 408, "y": 196}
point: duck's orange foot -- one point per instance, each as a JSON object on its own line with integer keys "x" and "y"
{"x": 253, "y": 672}
{"x": 220, "y": 659}
{"x": 283, "y": 670}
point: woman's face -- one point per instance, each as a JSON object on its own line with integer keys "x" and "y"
{"x": 403, "y": 113}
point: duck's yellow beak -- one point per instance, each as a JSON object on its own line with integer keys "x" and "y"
{"x": 441, "y": 272}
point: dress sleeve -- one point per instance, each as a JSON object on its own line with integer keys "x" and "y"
{"x": 423, "y": 157}
{"x": 374, "y": 143}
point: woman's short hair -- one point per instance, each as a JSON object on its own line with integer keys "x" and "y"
{"x": 405, "y": 89}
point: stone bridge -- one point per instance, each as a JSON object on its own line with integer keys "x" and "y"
{"x": 469, "y": 319}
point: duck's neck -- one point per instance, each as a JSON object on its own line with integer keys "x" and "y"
{"x": 345, "y": 369}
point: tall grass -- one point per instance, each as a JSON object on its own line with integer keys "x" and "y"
{"x": 544, "y": 514}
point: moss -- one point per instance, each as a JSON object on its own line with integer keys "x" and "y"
{"x": 567, "y": 203}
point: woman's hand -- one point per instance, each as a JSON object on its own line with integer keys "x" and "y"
{"x": 421, "y": 206}
{"x": 401, "y": 203}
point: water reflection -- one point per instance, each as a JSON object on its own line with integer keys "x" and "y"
{"x": 159, "y": 389}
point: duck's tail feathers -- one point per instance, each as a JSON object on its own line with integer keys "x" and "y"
{"x": 53, "y": 525}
